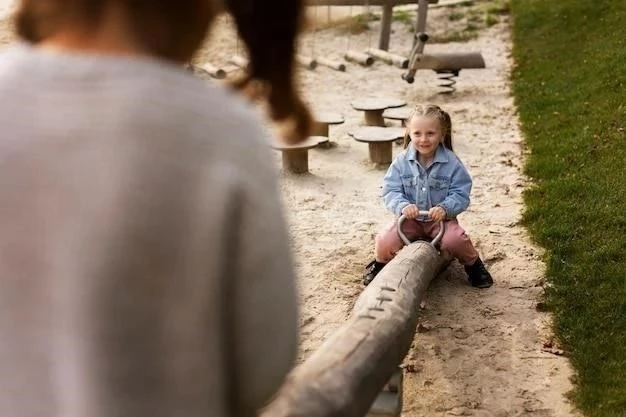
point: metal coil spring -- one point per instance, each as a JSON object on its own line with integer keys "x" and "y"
{"x": 447, "y": 80}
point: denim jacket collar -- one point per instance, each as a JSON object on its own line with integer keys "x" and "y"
{"x": 440, "y": 154}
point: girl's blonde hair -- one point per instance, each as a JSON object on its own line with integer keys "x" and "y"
{"x": 432, "y": 110}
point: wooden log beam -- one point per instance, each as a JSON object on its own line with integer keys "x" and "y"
{"x": 344, "y": 376}
{"x": 359, "y": 58}
{"x": 393, "y": 59}
{"x": 307, "y": 62}
{"x": 338, "y": 66}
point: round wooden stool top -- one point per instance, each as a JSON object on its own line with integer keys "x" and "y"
{"x": 306, "y": 144}
{"x": 396, "y": 113}
{"x": 369, "y": 104}
{"x": 377, "y": 134}
{"x": 328, "y": 118}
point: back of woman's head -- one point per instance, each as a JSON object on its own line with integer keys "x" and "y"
{"x": 436, "y": 112}
{"x": 175, "y": 30}
{"x": 171, "y": 30}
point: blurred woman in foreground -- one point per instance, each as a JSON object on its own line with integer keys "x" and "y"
{"x": 144, "y": 261}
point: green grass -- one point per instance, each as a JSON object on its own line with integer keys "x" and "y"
{"x": 403, "y": 16}
{"x": 352, "y": 25}
{"x": 570, "y": 88}
{"x": 466, "y": 20}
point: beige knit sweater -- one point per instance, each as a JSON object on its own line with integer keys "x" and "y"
{"x": 144, "y": 262}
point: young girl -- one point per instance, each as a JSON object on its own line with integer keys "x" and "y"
{"x": 428, "y": 176}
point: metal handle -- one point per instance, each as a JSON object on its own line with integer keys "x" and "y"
{"x": 414, "y": 58}
{"x": 434, "y": 242}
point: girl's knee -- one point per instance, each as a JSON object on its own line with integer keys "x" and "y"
{"x": 388, "y": 243}
{"x": 454, "y": 237}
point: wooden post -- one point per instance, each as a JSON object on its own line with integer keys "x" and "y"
{"x": 344, "y": 376}
{"x": 380, "y": 152}
{"x": 296, "y": 161}
{"x": 296, "y": 156}
{"x": 422, "y": 14}
{"x": 374, "y": 117}
{"x": 320, "y": 129}
{"x": 385, "y": 26}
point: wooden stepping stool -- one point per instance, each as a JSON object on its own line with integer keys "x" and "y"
{"x": 373, "y": 109}
{"x": 322, "y": 122}
{"x": 296, "y": 157}
{"x": 321, "y": 126}
{"x": 397, "y": 113}
{"x": 379, "y": 141}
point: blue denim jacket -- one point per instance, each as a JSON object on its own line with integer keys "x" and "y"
{"x": 445, "y": 183}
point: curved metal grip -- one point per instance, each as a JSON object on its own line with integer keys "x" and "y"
{"x": 434, "y": 242}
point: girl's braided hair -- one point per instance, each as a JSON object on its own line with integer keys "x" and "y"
{"x": 432, "y": 110}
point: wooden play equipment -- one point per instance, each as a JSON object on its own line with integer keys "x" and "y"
{"x": 389, "y": 58}
{"x": 387, "y": 13}
{"x": 323, "y": 121}
{"x": 321, "y": 125}
{"x": 397, "y": 113}
{"x": 325, "y": 61}
{"x": 447, "y": 66}
{"x": 379, "y": 141}
{"x": 296, "y": 157}
{"x": 347, "y": 373}
{"x": 373, "y": 109}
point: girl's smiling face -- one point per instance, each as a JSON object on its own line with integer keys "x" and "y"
{"x": 426, "y": 133}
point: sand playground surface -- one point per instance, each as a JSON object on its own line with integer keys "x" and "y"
{"x": 483, "y": 353}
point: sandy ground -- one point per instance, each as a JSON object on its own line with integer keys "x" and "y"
{"x": 478, "y": 352}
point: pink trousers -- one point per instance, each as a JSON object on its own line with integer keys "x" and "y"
{"x": 455, "y": 240}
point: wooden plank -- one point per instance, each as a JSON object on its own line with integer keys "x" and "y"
{"x": 450, "y": 61}
{"x": 344, "y": 376}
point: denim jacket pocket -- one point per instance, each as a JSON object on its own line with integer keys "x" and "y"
{"x": 409, "y": 184}
{"x": 439, "y": 187}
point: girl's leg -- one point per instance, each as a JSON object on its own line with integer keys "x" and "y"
{"x": 455, "y": 241}
{"x": 458, "y": 244}
{"x": 388, "y": 243}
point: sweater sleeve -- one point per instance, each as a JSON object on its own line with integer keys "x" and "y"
{"x": 264, "y": 302}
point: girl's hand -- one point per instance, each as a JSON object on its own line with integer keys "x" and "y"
{"x": 437, "y": 214}
{"x": 411, "y": 211}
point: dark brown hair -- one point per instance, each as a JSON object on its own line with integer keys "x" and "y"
{"x": 269, "y": 29}
{"x": 432, "y": 110}
{"x": 172, "y": 30}
{"x": 175, "y": 29}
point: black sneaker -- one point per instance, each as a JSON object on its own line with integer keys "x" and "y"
{"x": 478, "y": 275}
{"x": 371, "y": 270}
